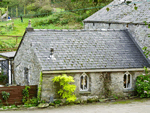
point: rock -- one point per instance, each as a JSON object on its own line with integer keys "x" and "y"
{"x": 32, "y": 108}
{"x": 61, "y": 104}
{"x": 18, "y": 106}
{"x": 56, "y": 105}
{"x": 43, "y": 105}
{"x": 113, "y": 100}
{"x": 103, "y": 100}
{"x": 126, "y": 98}
{"x": 51, "y": 107}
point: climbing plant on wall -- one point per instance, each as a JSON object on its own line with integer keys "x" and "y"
{"x": 65, "y": 89}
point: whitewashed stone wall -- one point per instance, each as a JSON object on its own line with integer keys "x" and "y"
{"x": 26, "y": 58}
{"x": 96, "y": 85}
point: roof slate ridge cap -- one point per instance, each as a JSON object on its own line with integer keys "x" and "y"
{"x": 113, "y": 22}
{"x": 78, "y": 30}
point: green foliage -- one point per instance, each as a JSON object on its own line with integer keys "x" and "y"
{"x": 13, "y": 106}
{"x": 5, "y": 95}
{"x": 135, "y": 8}
{"x": 25, "y": 93}
{"x": 57, "y": 101}
{"x": 43, "y": 101}
{"x": 65, "y": 88}
{"x": 128, "y": 2}
{"x": 146, "y": 52}
{"x": 107, "y": 9}
{"x": 34, "y": 101}
{"x": 28, "y": 102}
{"x": 3, "y": 78}
{"x": 40, "y": 87}
{"x": 31, "y": 102}
{"x": 143, "y": 85}
{"x": 57, "y": 18}
{"x": 1, "y": 104}
{"x": 116, "y": 97}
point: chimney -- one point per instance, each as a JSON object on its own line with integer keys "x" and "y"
{"x": 29, "y": 28}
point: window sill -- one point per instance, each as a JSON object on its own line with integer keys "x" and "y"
{"x": 128, "y": 90}
{"x": 84, "y": 92}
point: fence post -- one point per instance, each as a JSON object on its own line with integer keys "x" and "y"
{"x": 11, "y": 12}
{"x": 16, "y": 40}
{"x": 12, "y": 25}
{"x": 16, "y": 11}
{"x": 7, "y": 13}
{"x": 0, "y": 14}
{"x": 24, "y": 10}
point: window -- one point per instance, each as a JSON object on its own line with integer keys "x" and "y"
{"x": 127, "y": 80}
{"x": 84, "y": 82}
{"x": 26, "y": 75}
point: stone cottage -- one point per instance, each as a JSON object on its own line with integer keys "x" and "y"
{"x": 103, "y": 59}
{"x": 123, "y": 16}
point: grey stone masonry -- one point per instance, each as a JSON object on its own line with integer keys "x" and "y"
{"x": 96, "y": 84}
{"x": 25, "y": 58}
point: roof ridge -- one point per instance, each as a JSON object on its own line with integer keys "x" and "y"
{"x": 78, "y": 30}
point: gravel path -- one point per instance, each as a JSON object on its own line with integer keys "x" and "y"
{"x": 133, "y": 107}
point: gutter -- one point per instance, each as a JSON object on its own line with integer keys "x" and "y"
{"x": 94, "y": 70}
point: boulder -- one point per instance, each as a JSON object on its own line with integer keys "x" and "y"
{"x": 43, "y": 105}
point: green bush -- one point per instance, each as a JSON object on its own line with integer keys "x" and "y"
{"x": 1, "y": 104}
{"x": 34, "y": 101}
{"x": 143, "y": 85}
{"x": 57, "y": 101}
{"x": 57, "y": 18}
{"x": 3, "y": 78}
{"x": 25, "y": 93}
{"x": 65, "y": 89}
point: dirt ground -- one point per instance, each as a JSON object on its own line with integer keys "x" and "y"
{"x": 112, "y": 107}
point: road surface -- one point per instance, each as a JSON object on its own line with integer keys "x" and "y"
{"x": 133, "y": 107}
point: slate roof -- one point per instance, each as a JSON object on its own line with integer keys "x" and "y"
{"x": 122, "y": 13}
{"x": 86, "y": 49}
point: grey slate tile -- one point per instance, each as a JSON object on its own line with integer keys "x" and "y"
{"x": 86, "y": 49}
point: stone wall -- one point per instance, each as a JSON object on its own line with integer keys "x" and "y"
{"x": 96, "y": 85}
{"x": 26, "y": 57}
{"x": 138, "y": 31}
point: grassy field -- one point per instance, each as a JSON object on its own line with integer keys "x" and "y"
{"x": 53, "y": 22}
{"x": 21, "y": 26}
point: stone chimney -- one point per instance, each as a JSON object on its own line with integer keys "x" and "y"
{"x": 29, "y": 28}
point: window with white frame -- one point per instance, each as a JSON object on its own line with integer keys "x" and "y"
{"x": 84, "y": 82}
{"x": 127, "y": 80}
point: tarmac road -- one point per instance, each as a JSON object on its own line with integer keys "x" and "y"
{"x": 133, "y": 107}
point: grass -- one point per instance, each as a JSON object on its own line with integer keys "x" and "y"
{"x": 21, "y": 26}
{"x": 66, "y": 20}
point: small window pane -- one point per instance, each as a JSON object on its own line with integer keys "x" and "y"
{"x": 81, "y": 84}
{"x": 84, "y": 82}
{"x": 124, "y": 81}
{"x": 128, "y": 85}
